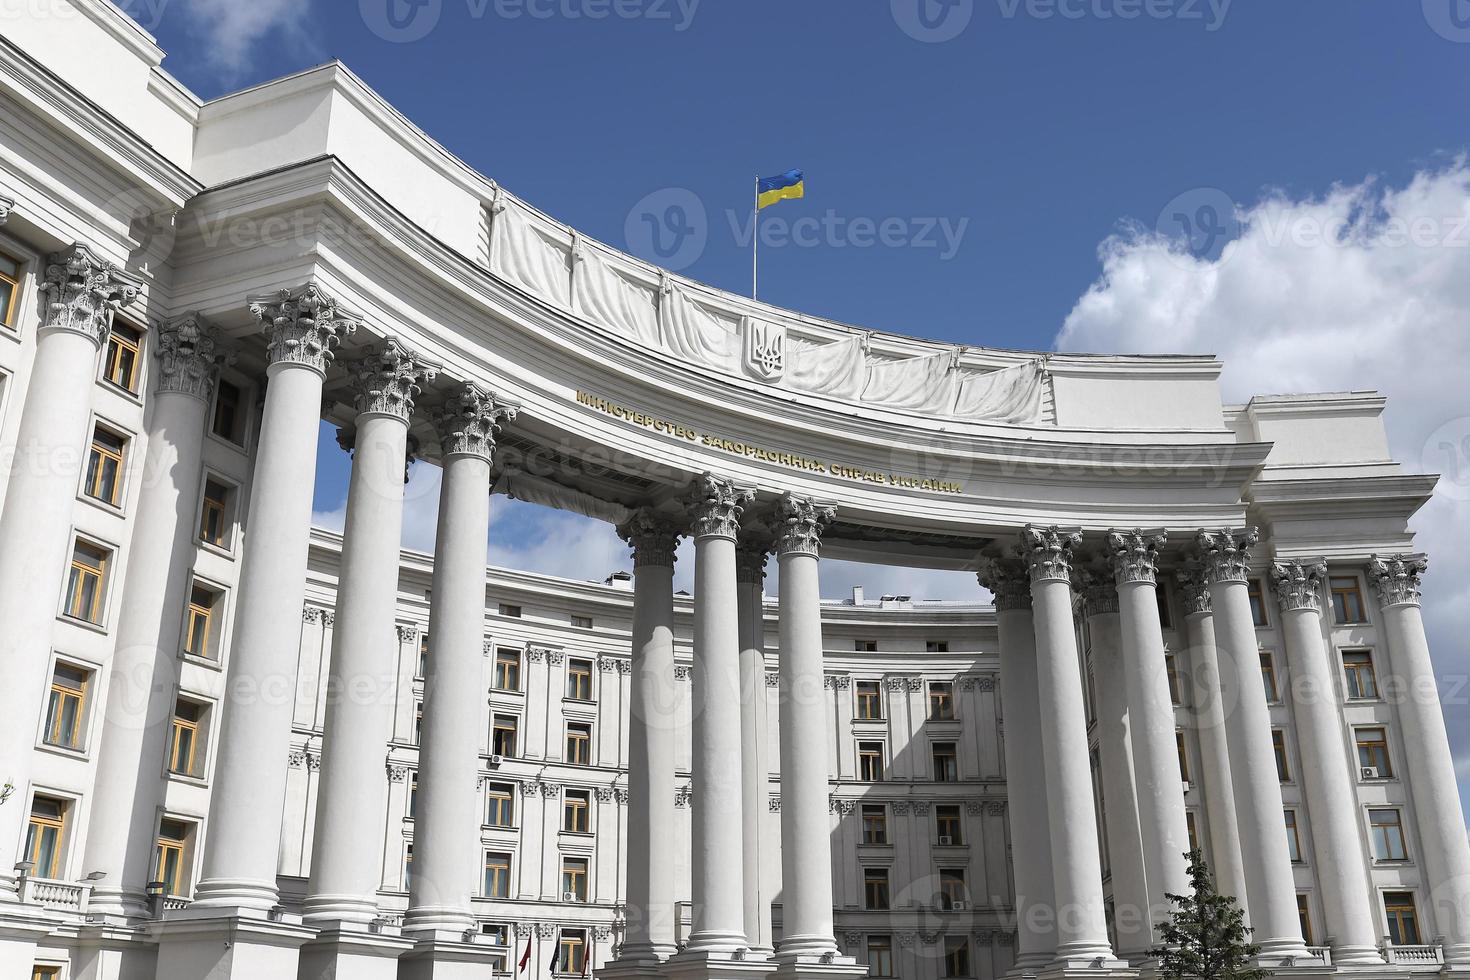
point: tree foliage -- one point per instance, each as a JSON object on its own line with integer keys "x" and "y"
{"x": 1205, "y": 936}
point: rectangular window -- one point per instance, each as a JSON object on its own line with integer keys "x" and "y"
{"x": 946, "y": 766}
{"x": 1183, "y": 756}
{"x": 575, "y": 806}
{"x": 869, "y": 701}
{"x": 865, "y": 646}
{"x": 880, "y": 956}
{"x": 1268, "y": 678}
{"x": 956, "y": 956}
{"x": 1388, "y": 835}
{"x": 45, "y": 836}
{"x": 503, "y": 736}
{"x": 413, "y": 795}
{"x": 1403, "y": 920}
{"x": 952, "y": 887}
{"x": 1258, "y": 601}
{"x": 579, "y": 680}
{"x": 121, "y": 366}
{"x": 169, "y": 864}
{"x": 1347, "y": 600}
{"x": 947, "y": 825}
{"x": 875, "y": 823}
{"x": 418, "y": 722}
{"x": 214, "y": 516}
{"x": 1304, "y": 916}
{"x": 495, "y": 933}
{"x": 941, "y": 701}
{"x": 1191, "y": 827}
{"x": 421, "y": 668}
{"x": 1161, "y": 596}
{"x": 199, "y": 622}
{"x": 1373, "y": 753}
{"x": 9, "y": 289}
{"x": 574, "y": 879}
{"x": 572, "y": 952}
{"x": 1293, "y": 837}
{"x": 43, "y": 972}
{"x": 507, "y": 669}
{"x": 579, "y": 744}
{"x": 936, "y": 646}
{"x": 497, "y": 875}
{"x": 510, "y": 611}
{"x": 875, "y": 888}
{"x": 186, "y": 753}
{"x": 582, "y": 622}
{"x": 104, "y": 466}
{"x": 407, "y": 867}
{"x": 500, "y": 805}
{"x": 85, "y": 581}
{"x": 229, "y": 413}
{"x": 66, "y": 708}
{"x": 870, "y": 761}
{"x": 1362, "y": 681}
{"x": 1278, "y": 745}
{"x": 1171, "y": 669}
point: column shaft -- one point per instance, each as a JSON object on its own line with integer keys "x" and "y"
{"x": 753, "y": 757}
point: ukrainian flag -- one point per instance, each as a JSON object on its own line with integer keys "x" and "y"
{"x": 783, "y": 187}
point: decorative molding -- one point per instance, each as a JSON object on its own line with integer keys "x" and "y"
{"x": 682, "y": 671}
{"x": 296, "y": 759}
{"x": 329, "y": 617}
{"x": 535, "y": 655}
{"x": 773, "y": 679}
{"x": 683, "y": 796}
{"x": 189, "y": 356}
{"x": 798, "y": 524}
{"x": 773, "y": 803}
{"x": 610, "y": 665}
{"x": 397, "y": 774}
{"x": 750, "y": 562}
{"x": 1194, "y": 584}
{"x": 469, "y": 420}
{"x": 901, "y": 807}
{"x": 550, "y": 790}
{"x": 6, "y": 206}
{"x": 852, "y": 939}
{"x": 312, "y": 614}
{"x": 555, "y": 657}
{"x": 1298, "y": 583}
{"x": 996, "y": 808}
{"x": 1098, "y": 591}
{"x": 303, "y": 326}
{"x": 1226, "y": 553}
{"x": 546, "y": 930}
{"x": 1396, "y": 578}
{"x": 1135, "y": 555}
{"x": 837, "y": 682}
{"x": 1007, "y": 581}
{"x": 844, "y": 807}
{"x": 621, "y": 795}
{"x": 83, "y": 292}
{"x": 715, "y": 506}
{"x": 407, "y": 632}
{"x": 973, "y": 807}
{"x": 313, "y": 762}
{"x": 986, "y": 683}
{"x": 387, "y": 379}
{"x": 604, "y": 794}
{"x": 1047, "y": 552}
{"x": 653, "y": 537}
{"x": 921, "y": 807}
{"x": 603, "y": 933}
{"x": 913, "y": 683}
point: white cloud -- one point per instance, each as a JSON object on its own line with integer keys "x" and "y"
{"x": 229, "y": 30}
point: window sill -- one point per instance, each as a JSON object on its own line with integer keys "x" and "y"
{"x": 79, "y": 754}
{"x": 208, "y": 663}
{"x": 87, "y": 625}
{"x": 238, "y": 447}
{"x": 227, "y": 553}
{"x": 97, "y": 503}
{"x": 187, "y": 779}
{"x": 122, "y": 392}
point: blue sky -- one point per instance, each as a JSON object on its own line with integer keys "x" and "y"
{"x": 1314, "y": 148}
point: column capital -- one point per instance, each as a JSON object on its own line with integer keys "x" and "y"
{"x": 6, "y": 206}
{"x": 1298, "y": 583}
{"x": 1135, "y": 555}
{"x": 83, "y": 291}
{"x": 750, "y": 562}
{"x": 387, "y": 378}
{"x": 1225, "y": 553}
{"x": 653, "y": 537}
{"x": 1047, "y": 552}
{"x": 1099, "y": 589}
{"x": 798, "y": 524}
{"x": 1396, "y": 578}
{"x": 303, "y": 326}
{"x": 715, "y": 505}
{"x": 1008, "y": 582}
{"x": 469, "y": 420}
{"x": 190, "y": 354}
{"x": 1195, "y": 586}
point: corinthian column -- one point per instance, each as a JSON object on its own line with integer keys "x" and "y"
{"x": 750, "y": 574}
{"x": 1446, "y": 858}
{"x": 1165, "y": 833}
{"x": 1209, "y": 717}
{"x": 1332, "y": 803}
{"x": 652, "y": 723}
{"x": 132, "y": 746}
{"x": 81, "y": 292}
{"x": 1082, "y": 934}
{"x": 1258, "y": 810}
{"x": 1026, "y": 800}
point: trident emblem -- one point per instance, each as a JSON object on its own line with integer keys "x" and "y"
{"x": 765, "y": 349}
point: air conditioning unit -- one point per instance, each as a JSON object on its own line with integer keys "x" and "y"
{"x": 946, "y": 841}
{"x": 496, "y": 760}
{"x": 1370, "y": 772}
{"x": 569, "y": 897}
{"x": 959, "y": 906}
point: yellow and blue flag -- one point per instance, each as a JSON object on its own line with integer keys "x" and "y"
{"x": 783, "y": 187}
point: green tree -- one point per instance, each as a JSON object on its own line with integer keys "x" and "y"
{"x": 1205, "y": 936}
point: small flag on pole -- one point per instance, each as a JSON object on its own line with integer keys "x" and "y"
{"x": 591, "y": 952}
{"x": 555, "y": 955}
{"x": 525, "y": 957}
{"x": 782, "y": 187}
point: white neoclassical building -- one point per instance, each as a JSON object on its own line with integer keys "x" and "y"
{"x": 235, "y": 746}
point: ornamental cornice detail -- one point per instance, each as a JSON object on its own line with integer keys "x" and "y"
{"x": 534, "y": 655}
{"x": 83, "y": 292}
{"x": 682, "y": 671}
{"x": 604, "y": 794}
{"x": 1396, "y": 578}
{"x": 1194, "y": 584}
{"x": 387, "y": 379}
{"x": 303, "y": 326}
{"x": 683, "y": 796}
{"x": 555, "y": 657}
{"x": 397, "y": 774}
{"x": 190, "y": 355}
{"x": 1007, "y": 581}
{"x": 1135, "y": 555}
{"x": 1298, "y": 583}
{"x": 837, "y": 682}
{"x": 1226, "y": 553}
{"x": 469, "y": 420}
{"x": 798, "y": 524}
{"x": 773, "y": 679}
{"x": 653, "y": 537}
{"x": 716, "y": 505}
{"x": 750, "y": 562}
{"x": 1047, "y": 552}
{"x": 407, "y": 632}
{"x": 773, "y": 803}
{"x": 844, "y": 807}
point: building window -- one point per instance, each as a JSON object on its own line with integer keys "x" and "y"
{"x": 941, "y": 701}
{"x": 510, "y": 611}
{"x": 956, "y": 956}
{"x": 9, "y": 288}
{"x": 869, "y": 701}
{"x": 104, "y": 466}
{"x": 121, "y": 366}
{"x": 1293, "y": 837}
{"x": 952, "y": 888}
{"x": 875, "y": 823}
{"x": 574, "y": 879}
{"x": 1161, "y": 597}
{"x": 170, "y": 865}
{"x": 936, "y": 646}
{"x": 1183, "y": 756}
{"x": 407, "y": 867}
{"x": 946, "y": 767}
{"x": 947, "y": 825}
{"x": 1258, "y": 601}
{"x": 500, "y": 805}
{"x": 1403, "y": 921}
{"x": 418, "y": 722}
{"x": 186, "y": 754}
{"x": 579, "y": 744}
{"x": 199, "y": 622}
{"x": 1268, "y": 678}
{"x": 1388, "y": 835}
{"x": 1362, "y": 682}
{"x": 1304, "y": 916}
{"x": 1171, "y": 669}
{"x": 497, "y": 875}
{"x": 45, "y": 835}
{"x": 870, "y": 761}
{"x": 229, "y": 413}
{"x": 413, "y": 795}
{"x": 865, "y": 646}
{"x": 85, "y": 582}
{"x": 503, "y": 736}
{"x": 495, "y": 933}
{"x": 880, "y": 956}
{"x": 572, "y": 952}
{"x": 1373, "y": 753}
{"x": 42, "y": 972}
{"x": 1191, "y": 828}
{"x": 1347, "y": 600}
{"x": 421, "y": 667}
{"x": 579, "y": 680}
{"x": 214, "y": 516}
{"x": 582, "y": 622}
{"x": 507, "y": 669}
{"x": 575, "y": 806}
{"x": 1278, "y": 745}
{"x": 67, "y": 706}
{"x": 875, "y": 888}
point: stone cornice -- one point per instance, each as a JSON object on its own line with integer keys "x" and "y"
{"x": 1047, "y": 552}
{"x": 1396, "y": 578}
{"x": 1226, "y": 553}
{"x": 1008, "y": 582}
{"x": 468, "y": 421}
{"x": 715, "y": 506}
{"x": 190, "y": 355}
{"x": 798, "y": 523}
{"x": 387, "y": 379}
{"x": 1298, "y": 583}
{"x": 653, "y": 537}
{"x": 83, "y": 292}
{"x": 303, "y": 326}
{"x": 1135, "y": 555}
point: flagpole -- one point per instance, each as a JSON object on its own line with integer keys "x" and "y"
{"x": 755, "y": 238}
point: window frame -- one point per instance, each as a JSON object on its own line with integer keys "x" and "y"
{"x": 865, "y": 774}
{"x": 1374, "y": 827}
{"x": 957, "y": 957}
{"x": 579, "y": 680}
{"x": 874, "y": 815}
{"x": 1355, "y": 591}
{"x": 239, "y": 435}
{"x": 579, "y": 743}
{"x": 1353, "y": 674}
{"x": 496, "y": 738}
{"x": 182, "y": 847}
{"x": 945, "y": 769}
{"x": 1282, "y": 752}
{"x": 59, "y": 826}
{"x": 1293, "y": 835}
{"x": 883, "y": 943}
{"x": 941, "y": 701}
{"x": 502, "y": 877}
{"x": 507, "y": 660}
{"x": 213, "y": 616}
{"x": 496, "y": 802}
{"x": 1381, "y": 746}
{"x": 226, "y": 510}
{"x": 575, "y": 803}
{"x": 17, "y": 287}
{"x": 579, "y": 878}
{"x": 102, "y": 573}
{"x": 135, "y": 346}
{"x": 1394, "y": 922}
{"x": 866, "y": 693}
{"x": 954, "y": 887}
{"x": 571, "y": 951}
{"x": 1304, "y": 915}
{"x": 1256, "y": 596}
{"x": 198, "y": 729}
{"x": 51, "y": 717}
{"x": 97, "y": 456}
{"x": 877, "y": 888}
{"x": 941, "y": 816}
